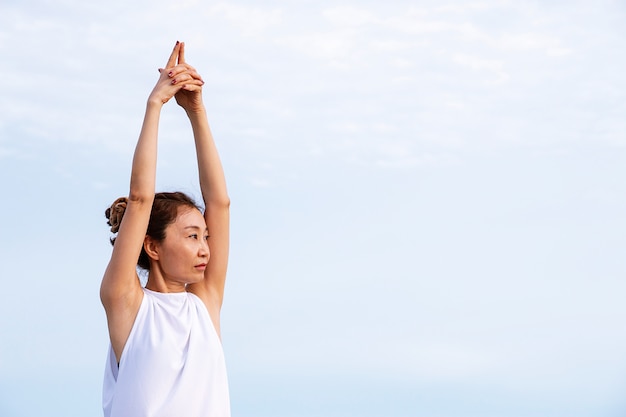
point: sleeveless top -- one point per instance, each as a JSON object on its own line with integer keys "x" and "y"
{"x": 172, "y": 364}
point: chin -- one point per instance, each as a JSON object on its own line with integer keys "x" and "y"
{"x": 195, "y": 280}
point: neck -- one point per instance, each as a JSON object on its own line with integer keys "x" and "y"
{"x": 157, "y": 282}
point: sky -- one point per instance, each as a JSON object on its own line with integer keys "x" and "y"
{"x": 428, "y": 199}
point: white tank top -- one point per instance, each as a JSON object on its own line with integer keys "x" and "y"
{"x": 172, "y": 364}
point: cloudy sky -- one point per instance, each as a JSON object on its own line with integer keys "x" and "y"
{"x": 428, "y": 199}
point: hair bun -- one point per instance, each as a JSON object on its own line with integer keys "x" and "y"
{"x": 115, "y": 213}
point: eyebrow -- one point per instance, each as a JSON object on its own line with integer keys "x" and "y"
{"x": 195, "y": 228}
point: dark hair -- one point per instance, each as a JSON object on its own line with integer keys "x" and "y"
{"x": 164, "y": 212}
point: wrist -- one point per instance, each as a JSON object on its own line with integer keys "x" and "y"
{"x": 154, "y": 102}
{"x": 196, "y": 111}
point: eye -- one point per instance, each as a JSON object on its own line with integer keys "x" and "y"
{"x": 206, "y": 237}
{"x": 193, "y": 236}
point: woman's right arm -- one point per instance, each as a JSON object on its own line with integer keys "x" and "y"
{"x": 120, "y": 291}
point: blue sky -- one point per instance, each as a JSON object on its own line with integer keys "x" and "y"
{"x": 428, "y": 199}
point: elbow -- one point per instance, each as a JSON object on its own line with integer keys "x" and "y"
{"x": 219, "y": 201}
{"x": 105, "y": 297}
{"x": 224, "y": 202}
{"x": 107, "y": 289}
{"x": 140, "y": 197}
{"x": 106, "y": 294}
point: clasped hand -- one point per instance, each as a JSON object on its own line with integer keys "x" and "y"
{"x": 180, "y": 80}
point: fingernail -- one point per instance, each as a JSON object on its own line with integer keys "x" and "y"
{"x": 174, "y": 81}
{"x": 169, "y": 73}
{"x": 177, "y": 42}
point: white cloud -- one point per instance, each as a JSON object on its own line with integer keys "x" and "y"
{"x": 495, "y": 68}
{"x": 462, "y": 7}
{"x": 349, "y": 16}
{"x": 251, "y": 21}
{"x": 532, "y": 41}
{"x": 333, "y": 47}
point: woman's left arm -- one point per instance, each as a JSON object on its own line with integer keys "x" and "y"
{"x": 214, "y": 194}
{"x": 217, "y": 208}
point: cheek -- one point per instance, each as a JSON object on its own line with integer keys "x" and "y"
{"x": 172, "y": 253}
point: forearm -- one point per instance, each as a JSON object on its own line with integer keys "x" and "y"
{"x": 143, "y": 174}
{"x": 212, "y": 180}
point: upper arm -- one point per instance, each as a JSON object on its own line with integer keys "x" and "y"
{"x": 211, "y": 290}
{"x": 120, "y": 290}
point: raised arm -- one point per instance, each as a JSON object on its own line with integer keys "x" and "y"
{"x": 214, "y": 194}
{"x": 120, "y": 290}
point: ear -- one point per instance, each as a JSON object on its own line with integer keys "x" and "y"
{"x": 151, "y": 247}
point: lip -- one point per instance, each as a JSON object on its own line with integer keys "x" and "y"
{"x": 201, "y": 266}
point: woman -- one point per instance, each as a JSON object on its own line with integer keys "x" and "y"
{"x": 166, "y": 357}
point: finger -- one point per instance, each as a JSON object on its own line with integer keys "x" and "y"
{"x": 192, "y": 87}
{"x": 181, "y": 53}
{"x": 186, "y": 78}
{"x": 194, "y": 74}
{"x": 172, "y": 60}
{"x": 181, "y": 68}
{"x": 188, "y": 83}
{"x": 180, "y": 78}
{"x": 178, "y": 69}
{"x": 191, "y": 73}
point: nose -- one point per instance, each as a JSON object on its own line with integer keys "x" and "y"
{"x": 204, "y": 248}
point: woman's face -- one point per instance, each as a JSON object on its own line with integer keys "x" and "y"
{"x": 184, "y": 253}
